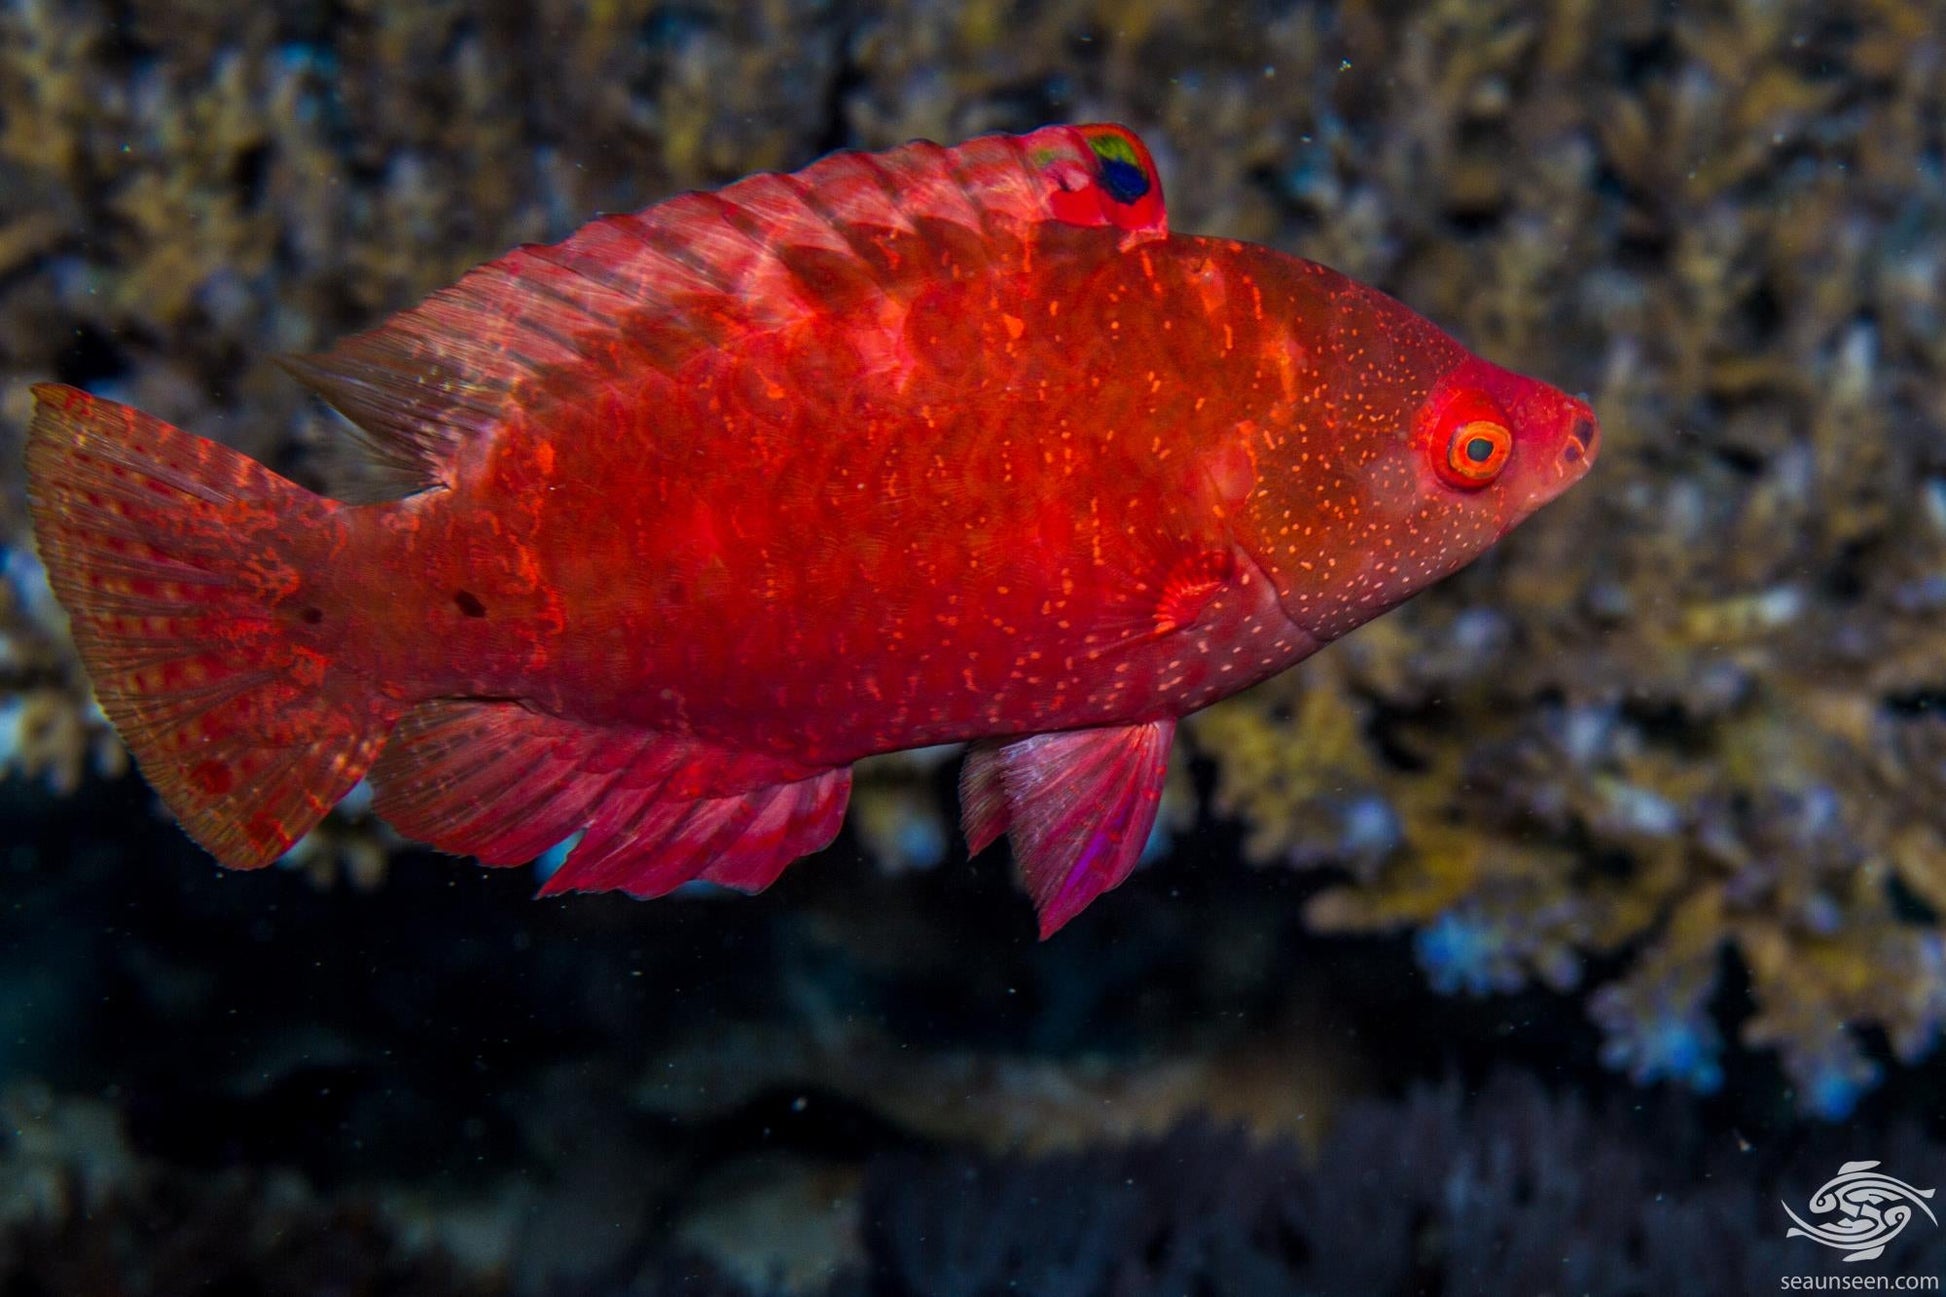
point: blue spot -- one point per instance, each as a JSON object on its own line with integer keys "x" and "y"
{"x": 1466, "y": 953}
{"x": 1588, "y": 733}
{"x": 1160, "y": 840}
{"x": 357, "y": 804}
{"x": 696, "y": 887}
{"x": 1661, "y": 1032}
{"x": 295, "y": 57}
{"x": 1635, "y": 809}
{"x": 1124, "y": 181}
{"x": 920, "y": 840}
{"x": 1679, "y": 1049}
{"x": 1831, "y": 1082}
{"x": 1819, "y": 811}
{"x": 1931, "y": 976}
{"x": 551, "y": 860}
{"x": 1370, "y": 828}
{"x": 22, "y": 571}
{"x": 1480, "y": 631}
{"x": 13, "y": 730}
{"x": 1832, "y": 1097}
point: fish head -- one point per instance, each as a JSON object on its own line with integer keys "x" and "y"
{"x": 1473, "y": 457}
{"x": 1411, "y": 458}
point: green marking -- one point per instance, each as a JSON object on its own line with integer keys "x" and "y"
{"x": 1114, "y": 148}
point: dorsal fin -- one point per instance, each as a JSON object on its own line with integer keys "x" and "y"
{"x": 697, "y": 268}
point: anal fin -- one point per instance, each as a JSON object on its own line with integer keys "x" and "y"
{"x": 648, "y": 846}
{"x": 502, "y": 782}
{"x": 1078, "y": 806}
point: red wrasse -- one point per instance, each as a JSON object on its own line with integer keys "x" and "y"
{"x": 706, "y": 503}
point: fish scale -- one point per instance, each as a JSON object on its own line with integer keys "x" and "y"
{"x": 691, "y": 511}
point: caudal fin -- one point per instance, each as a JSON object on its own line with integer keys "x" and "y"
{"x": 181, "y": 565}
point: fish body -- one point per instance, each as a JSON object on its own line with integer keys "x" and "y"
{"x": 709, "y": 502}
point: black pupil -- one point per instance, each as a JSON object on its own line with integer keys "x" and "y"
{"x": 1479, "y": 450}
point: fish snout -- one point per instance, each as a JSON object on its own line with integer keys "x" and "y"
{"x": 1580, "y": 446}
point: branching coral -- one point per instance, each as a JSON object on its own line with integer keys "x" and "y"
{"x": 1690, "y": 710}
{"x": 50, "y": 728}
{"x": 1518, "y": 1192}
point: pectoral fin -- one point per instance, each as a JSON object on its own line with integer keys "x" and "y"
{"x": 1077, "y": 805}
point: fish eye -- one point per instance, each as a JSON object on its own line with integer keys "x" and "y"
{"x": 1475, "y": 453}
{"x": 1467, "y": 437}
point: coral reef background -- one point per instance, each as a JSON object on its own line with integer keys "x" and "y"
{"x": 1538, "y": 937}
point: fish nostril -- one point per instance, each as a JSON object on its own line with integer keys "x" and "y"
{"x": 1580, "y": 442}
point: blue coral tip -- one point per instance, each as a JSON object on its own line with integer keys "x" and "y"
{"x": 1461, "y": 953}
{"x": 1833, "y": 1094}
{"x": 920, "y": 841}
{"x": 1683, "y": 1051}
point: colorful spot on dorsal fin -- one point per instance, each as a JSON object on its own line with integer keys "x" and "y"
{"x": 1116, "y": 185}
{"x": 1124, "y": 173}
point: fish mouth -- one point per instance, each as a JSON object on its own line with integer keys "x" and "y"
{"x": 1580, "y": 447}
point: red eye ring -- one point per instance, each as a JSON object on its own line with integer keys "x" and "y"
{"x": 1477, "y": 451}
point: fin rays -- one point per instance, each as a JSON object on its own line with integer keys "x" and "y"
{"x": 1078, "y": 806}
{"x": 169, "y": 553}
{"x": 503, "y": 783}
{"x": 676, "y": 276}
